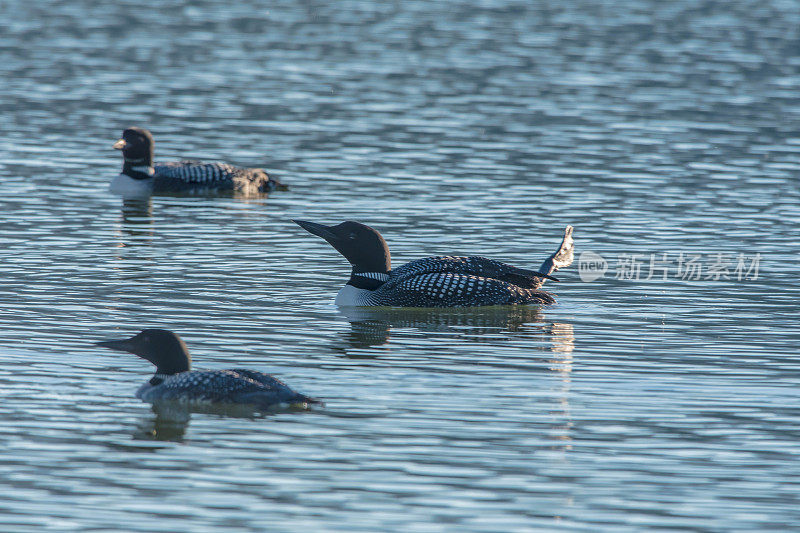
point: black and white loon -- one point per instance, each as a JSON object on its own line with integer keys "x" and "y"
{"x": 174, "y": 381}
{"x": 444, "y": 281}
{"x": 140, "y": 177}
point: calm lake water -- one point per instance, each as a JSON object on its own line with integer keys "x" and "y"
{"x": 479, "y": 127}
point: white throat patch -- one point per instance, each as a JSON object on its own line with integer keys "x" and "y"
{"x": 350, "y": 296}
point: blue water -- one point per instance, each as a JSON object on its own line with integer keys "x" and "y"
{"x": 461, "y": 127}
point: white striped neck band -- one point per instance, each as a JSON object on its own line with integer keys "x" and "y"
{"x": 380, "y": 276}
{"x": 158, "y": 379}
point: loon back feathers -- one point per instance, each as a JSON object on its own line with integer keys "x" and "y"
{"x": 175, "y": 381}
{"x": 473, "y": 265}
{"x": 223, "y": 386}
{"x": 448, "y": 289}
{"x": 444, "y": 281}
{"x": 182, "y": 175}
{"x": 137, "y": 147}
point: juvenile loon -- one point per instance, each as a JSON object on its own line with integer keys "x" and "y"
{"x": 174, "y": 381}
{"x": 444, "y": 281}
{"x": 140, "y": 177}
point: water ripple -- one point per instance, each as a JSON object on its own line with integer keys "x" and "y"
{"x": 475, "y": 127}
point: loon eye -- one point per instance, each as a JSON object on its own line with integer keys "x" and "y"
{"x": 352, "y": 236}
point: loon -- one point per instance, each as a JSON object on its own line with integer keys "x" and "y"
{"x": 140, "y": 177}
{"x": 444, "y": 281}
{"x": 174, "y": 381}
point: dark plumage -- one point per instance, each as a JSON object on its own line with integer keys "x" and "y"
{"x": 175, "y": 381}
{"x": 443, "y": 281}
{"x": 137, "y": 147}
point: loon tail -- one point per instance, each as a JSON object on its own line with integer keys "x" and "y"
{"x": 562, "y": 257}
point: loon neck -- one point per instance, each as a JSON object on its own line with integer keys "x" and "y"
{"x": 138, "y": 170}
{"x": 367, "y": 280}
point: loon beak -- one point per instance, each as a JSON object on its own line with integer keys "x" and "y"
{"x": 119, "y": 145}
{"x": 123, "y": 345}
{"x": 320, "y": 230}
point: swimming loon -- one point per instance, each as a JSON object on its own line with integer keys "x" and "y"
{"x": 140, "y": 177}
{"x": 444, "y": 281}
{"x": 175, "y": 381}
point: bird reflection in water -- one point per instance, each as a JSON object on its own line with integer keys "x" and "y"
{"x": 170, "y": 419}
{"x": 136, "y": 223}
{"x": 372, "y": 326}
{"x": 133, "y": 256}
{"x": 563, "y": 343}
{"x": 169, "y": 424}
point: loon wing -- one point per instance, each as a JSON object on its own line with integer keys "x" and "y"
{"x": 261, "y": 378}
{"x": 271, "y": 389}
{"x": 214, "y": 385}
{"x": 489, "y": 268}
{"x": 473, "y": 265}
{"x": 230, "y": 386}
{"x": 447, "y": 289}
{"x": 194, "y": 172}
{"x": 178, "y": 174}
{"x": 181, "y": 163}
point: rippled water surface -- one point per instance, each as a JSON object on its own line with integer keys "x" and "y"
{"x": 475, "y": 127}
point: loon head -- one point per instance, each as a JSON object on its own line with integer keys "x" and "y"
{"x": 137, "y": 147}
{"x": 161, "y": 347}
{"x": 361, "y": 245}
